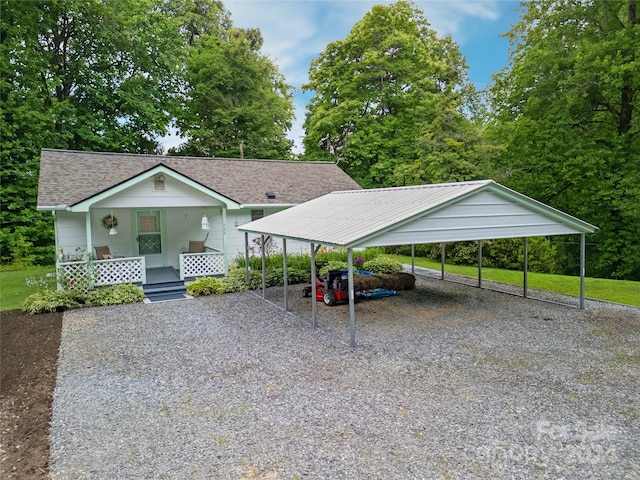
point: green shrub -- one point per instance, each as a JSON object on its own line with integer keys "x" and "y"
{"x": 49, "y": 301}
{"x": 427, "y": 250}
{"x": 333, "y": 265}
{"x": 235, "y": 280}
{"x": 382, "y": 264}
{"x": 204, "y": 286}
{"x": 296, "y": 260}
{"x": 115, "y": 295}
{"x": 542, "y": 256}
{"x": 298, "y": 270}
{"x": 296, "y": 276}
{"x": 275, "y": 276}
{"x": 505, "y": 253}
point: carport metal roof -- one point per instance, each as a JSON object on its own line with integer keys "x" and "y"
{"x": 420, "y": 214}
{"x": 449, "y": 212}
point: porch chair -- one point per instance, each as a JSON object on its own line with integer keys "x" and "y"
{"x": 103, "y": 253}
{"x": 196, "y": 246}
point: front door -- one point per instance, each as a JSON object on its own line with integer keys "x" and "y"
{"x": 150, "y": 237}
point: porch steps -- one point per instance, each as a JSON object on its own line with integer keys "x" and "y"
{"x": 160, "y": 292}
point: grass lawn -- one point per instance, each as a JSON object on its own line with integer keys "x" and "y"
{"x": 618, "y": 291}
{"x": 14, "y": 289}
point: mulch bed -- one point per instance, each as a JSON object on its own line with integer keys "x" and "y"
{"x": 28, "y": 365}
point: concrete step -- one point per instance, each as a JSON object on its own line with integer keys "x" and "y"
{"x": 163, "y": 297}
{"x": 160, "y": 292}
{"x": 164, "y": 287}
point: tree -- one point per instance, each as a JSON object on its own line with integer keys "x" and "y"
{"x": 238, "y": 103}
{"x": 78, "y": 74}
{"x": 567, "y": 108}
{"x": 387, "y": 103}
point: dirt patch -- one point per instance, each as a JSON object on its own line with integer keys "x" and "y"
{"x": 28, "y": 364}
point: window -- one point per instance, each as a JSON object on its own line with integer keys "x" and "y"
{"x": 256, "y": 214}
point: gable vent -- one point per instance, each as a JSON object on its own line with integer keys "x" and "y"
{"x": 158, "y": 183}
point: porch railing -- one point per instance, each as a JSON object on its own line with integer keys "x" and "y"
{"x": 104, "y": 272}
{"x": 202, "y": 264}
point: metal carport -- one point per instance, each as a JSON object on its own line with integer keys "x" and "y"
{"x": 476, "y": 210}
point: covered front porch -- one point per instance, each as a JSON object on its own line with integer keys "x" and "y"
{"x": 157, "y": 219}
{"x": 134, "y": 270}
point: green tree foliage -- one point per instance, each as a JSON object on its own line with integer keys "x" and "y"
{"x": 388, "y": 100}
{"x": 84, "y": 75}
{"x": 110, "y": 76}
{"x": 567, "y": 108}
{"x": 238, "y": 103}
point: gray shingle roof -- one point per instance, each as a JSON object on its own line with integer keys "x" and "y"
{"x": 68, "y": 177}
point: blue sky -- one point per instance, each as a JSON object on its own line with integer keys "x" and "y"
{"x": 296, "y": 31}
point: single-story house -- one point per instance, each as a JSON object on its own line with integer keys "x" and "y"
{"x": 123, "y": 214}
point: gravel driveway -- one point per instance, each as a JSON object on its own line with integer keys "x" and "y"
{"x": 447, "y": 381}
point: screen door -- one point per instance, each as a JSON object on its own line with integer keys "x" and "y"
{"x": 150, "y": 238}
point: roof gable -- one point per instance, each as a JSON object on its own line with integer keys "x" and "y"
{"x": 71, "y": 177}
{"x": 84, "y": 205}
{"x": 394, "y": 216}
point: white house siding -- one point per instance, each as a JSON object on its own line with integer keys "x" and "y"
{"x": 482, "y": 216}
{"x": 143, "y": 194}
{"x": 181, "y": 209}
{"x": 120, "y": 244}
{"x": 235, "y": 238}
{"x": 70, "y": 234}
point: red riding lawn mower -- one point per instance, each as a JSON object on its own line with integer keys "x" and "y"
{"x": 331, "y": 288}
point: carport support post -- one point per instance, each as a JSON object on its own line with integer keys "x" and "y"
{"x": 284, "y": 274}
{"x": 582, "y": 269}
{"x": 413, "y": 259}
{"x": 314, "y": 308}
{"x": 442, "y": 255}
{"x": 352, "y": 309}
{"x": 526, "y": 265}
{"x": 246, "y": 256}
{"x": 264, "y": 269}
{"x": 479, "y": 263}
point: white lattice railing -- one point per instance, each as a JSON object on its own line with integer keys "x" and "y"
{"x": 104, "y": 272}
{"x": 201, "y": 264}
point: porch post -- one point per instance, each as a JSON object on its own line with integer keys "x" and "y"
{"x": 284, "y": 275}
{"x": 246, "y": 256}
{"x": 224, "y": 240}
{"x": 87, "y": 221}
{"x": 314, "y": 315}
